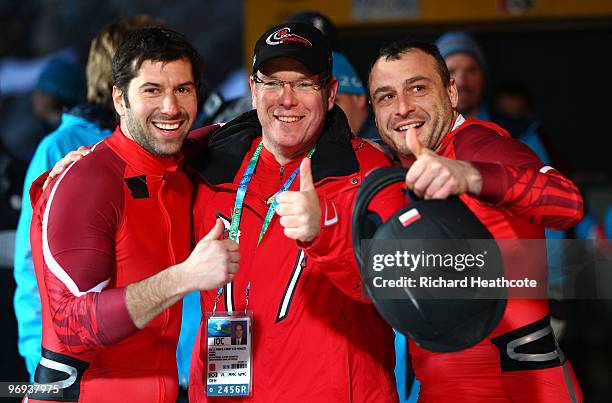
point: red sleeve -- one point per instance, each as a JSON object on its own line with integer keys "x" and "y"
{"x": 332, "y": 250}
{"x": 36, "y": 188}
{"x": 514, "y": 178}
{"x": 80, "y": 222}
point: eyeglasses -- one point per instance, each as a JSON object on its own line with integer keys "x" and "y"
{"x": 301, "y": 86}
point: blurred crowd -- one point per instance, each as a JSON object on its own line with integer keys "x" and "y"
{"x": 52, "y": 104}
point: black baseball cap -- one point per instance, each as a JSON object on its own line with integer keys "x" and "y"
{"x": 298, "y": 41}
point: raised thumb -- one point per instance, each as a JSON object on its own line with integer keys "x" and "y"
{"x": 306, "y": 175}
{"x": 216, "y": 232}
{"x": 413, "y": 143}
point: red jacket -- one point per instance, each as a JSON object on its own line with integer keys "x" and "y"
{"x": 316, "y": 336}
{"x": 519, "y": 197}
{"x": 114, "y": 218}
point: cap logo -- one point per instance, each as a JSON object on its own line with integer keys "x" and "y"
{"x": 284, "y": 35}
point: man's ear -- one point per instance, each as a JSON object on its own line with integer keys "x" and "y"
{"x": 333, "y": 90}
{"x": 453, "y": 93}
{"x": 253, "y": 96}
{"x": 118, "y": 101}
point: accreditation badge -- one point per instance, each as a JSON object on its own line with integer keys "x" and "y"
{"x": 229, "y": 369}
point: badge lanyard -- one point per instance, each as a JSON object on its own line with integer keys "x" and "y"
{"x": 242, "y": 188}
{"x": 229, "y": 370}
{"x": 240, "y": 195}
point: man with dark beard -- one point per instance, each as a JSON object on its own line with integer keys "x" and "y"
{"x": 83, "y": 125}
{"x": 111, "y": 238}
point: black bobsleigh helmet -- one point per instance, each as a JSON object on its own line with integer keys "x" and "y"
{"x": 435, "y": 318}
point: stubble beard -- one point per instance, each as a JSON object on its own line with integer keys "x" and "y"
{"x": 145, "y": 139}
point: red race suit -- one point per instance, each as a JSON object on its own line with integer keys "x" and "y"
{"x": 520, "y": 361}
{"x": 116, "y": 217}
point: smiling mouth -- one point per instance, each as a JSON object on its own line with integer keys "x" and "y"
{"x": 288, "y": 119}
{"x": 168, "y": 126}
{"x": 403, "y": 128}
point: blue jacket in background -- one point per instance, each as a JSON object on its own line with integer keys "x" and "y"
{"x": 73, "y": 132}
{"x": 192, "y": 314}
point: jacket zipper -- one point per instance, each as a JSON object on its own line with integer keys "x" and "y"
{"x": 166, "y": 218}
{"x": 172, "y": 258}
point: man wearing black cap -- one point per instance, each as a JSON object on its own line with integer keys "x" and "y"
{"x": 315, "y": 335}
{"x": 510, "y": 191}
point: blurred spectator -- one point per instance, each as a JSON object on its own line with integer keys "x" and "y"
{"x": 216, "y": 109}
{"x": 12, "y": 174}
{"x": 27, "y": 117}
{"x": 351, "y": 97}
{"x": 60, "y": 86}
{"x": 513, "y": 109}
{"x": 514, "y": 100}
{"x": 353, "y": 101}
{"x": 21, "y": 131}
{"x": 18, "y": 76}
{"x": 235, "y": 85}
{"x": 467, "y": 64}
{"x": 82, "y": 125}
{"x": 320, "y": 22}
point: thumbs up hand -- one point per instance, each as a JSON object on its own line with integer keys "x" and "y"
{"x": 212, "y": 263}
{"x": 413, "y": 143}
{"x": 434, "y": 177}
{"x": 300, "y": 212}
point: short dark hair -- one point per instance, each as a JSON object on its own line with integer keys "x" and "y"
{"x": 155, "y": 44}
{"x": 396, "y": 49}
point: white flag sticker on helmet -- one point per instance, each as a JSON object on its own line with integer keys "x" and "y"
{"x": 409, "y": 217}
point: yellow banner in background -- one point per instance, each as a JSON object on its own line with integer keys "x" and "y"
{"x": 259, "y": 15}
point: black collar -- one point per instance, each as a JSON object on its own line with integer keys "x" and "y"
{"x": 230, "y": 144}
